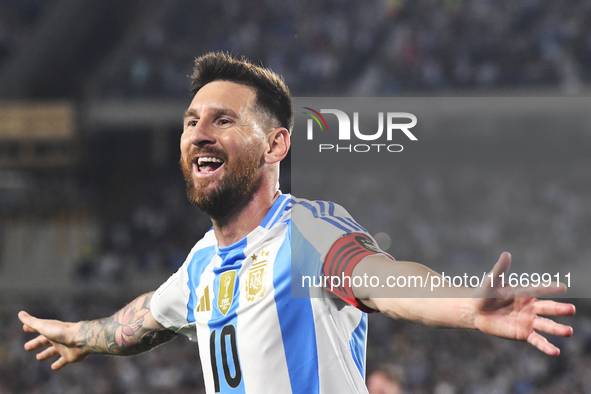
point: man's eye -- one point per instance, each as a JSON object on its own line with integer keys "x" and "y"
{"x": 192, "y": 123}
{"x": 224, "y": 122}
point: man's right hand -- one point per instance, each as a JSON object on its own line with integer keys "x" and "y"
{"x": 129, "y": 331}
{"x": 57, "y": 336}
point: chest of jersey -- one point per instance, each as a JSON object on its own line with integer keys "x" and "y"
{"x": 236, "y": 315}
{"x": 255, "y": 335}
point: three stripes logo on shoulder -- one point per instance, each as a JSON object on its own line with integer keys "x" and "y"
{"x": 344, "y": 130}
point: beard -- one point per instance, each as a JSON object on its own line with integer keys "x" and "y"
{"x": 234, "y": 189}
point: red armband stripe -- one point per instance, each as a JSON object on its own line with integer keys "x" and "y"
{"x": 341, "y": 260}
{"x": 354, "y": 256}
{"x": 338, "y": 257}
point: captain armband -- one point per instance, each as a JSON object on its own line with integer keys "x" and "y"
{"x": 341, "y": 260}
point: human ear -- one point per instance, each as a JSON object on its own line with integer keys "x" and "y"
{"x": 278, "y": 145}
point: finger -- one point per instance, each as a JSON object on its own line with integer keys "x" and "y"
{"x": 502, "y": 265}
{"x": 28, "y": 329}
{"x": 59, "y": 364}
{"x": 47, "y": 353}
{"x": 542, "y": 343}
{"x": 27, "y": 319}
{"x": 493, "y": 279}
{"x": 539, "y": 291}
{"x": 37, "y": 343}
{"x": 551, "y": 327}
{"x": 553, "y": 308}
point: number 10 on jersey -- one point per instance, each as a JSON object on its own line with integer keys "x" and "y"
{"x": 233, "y": 378}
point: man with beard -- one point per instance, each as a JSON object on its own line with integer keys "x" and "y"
{"x": 233, "y": 294}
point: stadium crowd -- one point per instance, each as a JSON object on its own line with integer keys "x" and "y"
{"x": 335, "y": 48}
{"x": 339, "y": 47}
{"x": 17, "y": 20}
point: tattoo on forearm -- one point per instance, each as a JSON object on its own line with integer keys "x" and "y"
{"x": 125, "y": 332}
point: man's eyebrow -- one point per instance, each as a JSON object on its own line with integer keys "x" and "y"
{"x": 217, "y": 112}
{"x": 190, "y": 112}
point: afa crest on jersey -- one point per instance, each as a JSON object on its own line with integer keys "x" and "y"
{"x": 257, "y": 276}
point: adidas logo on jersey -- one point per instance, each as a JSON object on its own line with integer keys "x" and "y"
{"x": 204, "y": 304}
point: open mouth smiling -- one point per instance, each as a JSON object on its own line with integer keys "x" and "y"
{"x": 207, "y": 165}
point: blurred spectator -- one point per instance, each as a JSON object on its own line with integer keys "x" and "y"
{"x": 17, "y": 20}
{"x": 386, "y": 379}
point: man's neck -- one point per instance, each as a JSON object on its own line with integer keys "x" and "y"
{"x": 241, "y": 223}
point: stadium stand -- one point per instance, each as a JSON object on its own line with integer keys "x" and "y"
{"x": 77, "y": 217}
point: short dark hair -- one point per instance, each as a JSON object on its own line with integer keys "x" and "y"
{"x": 272, "y": 94}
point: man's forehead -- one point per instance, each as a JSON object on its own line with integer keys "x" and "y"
{"x": 222, "y": 95}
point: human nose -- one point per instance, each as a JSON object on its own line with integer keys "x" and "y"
{"x": 201, "y": 135}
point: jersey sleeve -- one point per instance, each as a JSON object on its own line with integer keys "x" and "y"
{"x": 169, "y": 304}
{"x": 338, "y": 242}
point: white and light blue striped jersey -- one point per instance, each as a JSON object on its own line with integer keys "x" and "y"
{"x": 254, "y": 335}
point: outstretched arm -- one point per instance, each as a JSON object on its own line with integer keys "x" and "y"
{"x": 131, "y": 330}
{"x": 500, "y": 311}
